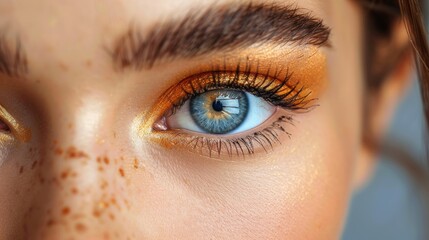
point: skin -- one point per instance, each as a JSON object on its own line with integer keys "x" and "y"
{"x": 87, "y": 173}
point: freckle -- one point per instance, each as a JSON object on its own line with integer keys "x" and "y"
{"x": 88, "y": 63}
{"x": 63, "y": 66}
{"x": 104, "y": 184}
{"x": 58, "y": 151}
{"x": 72, "y": 152}
{"x": 65, "y": 211}
{"x": 103, "y": 204}
{"x": 64, "y": 174}
{"x": 106, "y": 235}
{"x": 50, "y": 222}
{"x": 21, "y": 169}
{"x": 74, "y": 191}
{"x": 136, "y": 163}
{"x": 100, "y": 169}
{"x": 106, "y": 160}
{"x": 113, "y": 201}
{"x": 112, "y": 216}
{"x": 80, "y": 227}
{"x": 121, "y": 172}
{"x": 33, "y": 165}
{"x": 41, "y": 180}
{"x": 96, "y": 213}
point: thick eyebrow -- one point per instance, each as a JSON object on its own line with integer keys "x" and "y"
{"x": 219, "y": 28}
{"x": 13, "y": 60}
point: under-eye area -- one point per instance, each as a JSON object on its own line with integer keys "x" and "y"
{"x": 261, "y": 139}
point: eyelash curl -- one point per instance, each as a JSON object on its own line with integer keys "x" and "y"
{"x": 281, "y": 93}
{"x": 273, "y": 85}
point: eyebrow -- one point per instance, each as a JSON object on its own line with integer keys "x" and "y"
{"x": 219, "y": 28}
{"x": 13, "y": 60}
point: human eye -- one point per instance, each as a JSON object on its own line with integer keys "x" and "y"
{"x": 221, "y": 111}
{"x": 233, "y": 111}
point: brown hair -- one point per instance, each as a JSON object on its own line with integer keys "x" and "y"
{"x": 380, "y": 17}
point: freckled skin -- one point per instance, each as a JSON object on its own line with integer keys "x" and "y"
{"x": 87, "y": 172}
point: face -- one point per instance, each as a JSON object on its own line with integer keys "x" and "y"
{"x": 178, "y": 119}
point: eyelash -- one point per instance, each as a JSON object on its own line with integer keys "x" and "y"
{"x": 240, "y": 146}
{"x": 267, "y": 89}
{"x": 265, "y": 85}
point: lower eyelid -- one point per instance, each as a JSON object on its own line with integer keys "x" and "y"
{"x": 259, "y": 140}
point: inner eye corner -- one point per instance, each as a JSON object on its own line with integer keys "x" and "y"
{"x": 160, "y": 124}
{"x": 4, "y": 127}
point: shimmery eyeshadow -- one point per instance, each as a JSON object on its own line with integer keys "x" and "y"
{"x": 22, "y": 134}
{"x": 307, "y": 66}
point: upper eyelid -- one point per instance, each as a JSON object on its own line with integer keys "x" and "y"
{"x": 246, "y": 76}
{"x": 309, "y": 67}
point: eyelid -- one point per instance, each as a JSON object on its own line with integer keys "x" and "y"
{"x": 307, "y": 64}
{"x": 21, "y": 133}
{"x": 226, "y": 148}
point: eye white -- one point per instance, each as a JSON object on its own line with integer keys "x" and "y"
{"x": 259, "y": 110}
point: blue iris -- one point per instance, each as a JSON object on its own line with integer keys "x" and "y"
{"x": 219, "y": 111}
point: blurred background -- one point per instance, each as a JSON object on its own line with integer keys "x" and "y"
{"x": 387, "y": 208}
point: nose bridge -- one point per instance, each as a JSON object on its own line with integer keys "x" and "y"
{"x": 77, "y": 175}
{"x": 76, "y": 143}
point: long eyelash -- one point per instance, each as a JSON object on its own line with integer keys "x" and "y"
{"x": 240, "y": 146}
{"x": 268, "y": 88}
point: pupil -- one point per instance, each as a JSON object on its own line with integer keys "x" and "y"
{"x": 217, "y": 106}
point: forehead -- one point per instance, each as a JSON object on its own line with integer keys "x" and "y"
{"x": 56, "y": 34}
{"x": 85, "y": 21}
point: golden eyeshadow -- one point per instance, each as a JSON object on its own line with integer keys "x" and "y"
{"x": 21, "y": 133}
{"x": 304, "y": 69}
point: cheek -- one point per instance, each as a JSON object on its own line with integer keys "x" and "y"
{"x": 298, "y": 191}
